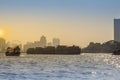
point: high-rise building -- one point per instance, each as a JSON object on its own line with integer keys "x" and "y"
{"x": 56, "y": 42}
{"x": 2, "y": 44}
{"x": 43, "y": 41}
{"x": 117, "y": 30}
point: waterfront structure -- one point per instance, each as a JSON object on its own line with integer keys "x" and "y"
{"x": 64, "y": 50}
{"x": 56, "y": 42}
{"x": 2, "y": 44}
{"x": 117, "y": 30}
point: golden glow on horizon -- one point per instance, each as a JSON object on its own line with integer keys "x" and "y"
{"x": 2, "y": 33}
{"x": 70, "y": 32}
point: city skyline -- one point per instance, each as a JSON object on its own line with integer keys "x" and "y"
{"x": 42, "y": 42}
{"x": 75, "y": 22}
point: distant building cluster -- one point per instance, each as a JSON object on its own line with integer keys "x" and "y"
{"x": 42, "y": 43}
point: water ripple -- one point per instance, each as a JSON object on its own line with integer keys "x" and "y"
{"x": 57, "y": 67}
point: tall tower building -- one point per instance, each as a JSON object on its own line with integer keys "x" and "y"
{"x": 43, "y": 41}
{"x": 56, "y": 42}
{"x": 117, "y": 30}
{"x": 2, "y": 44}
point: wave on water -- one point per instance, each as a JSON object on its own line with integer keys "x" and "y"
{"x": 57, "y": 67}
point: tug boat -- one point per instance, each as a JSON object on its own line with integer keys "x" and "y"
{"x": 13, "y": 51}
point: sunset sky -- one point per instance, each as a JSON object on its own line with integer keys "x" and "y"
{"x": 73, "y": 21}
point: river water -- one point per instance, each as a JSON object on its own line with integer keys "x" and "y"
{"x": 60, "y": 67}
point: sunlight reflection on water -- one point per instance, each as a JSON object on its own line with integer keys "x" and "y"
{"x": 57, "y": 67}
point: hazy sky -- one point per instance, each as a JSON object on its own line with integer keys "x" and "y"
{"x": 73, "y": 21}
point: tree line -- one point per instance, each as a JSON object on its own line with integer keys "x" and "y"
{"x": 106, "y": 47}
